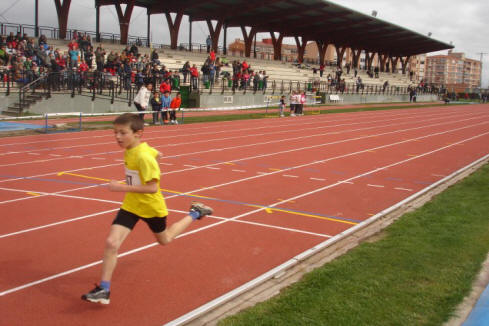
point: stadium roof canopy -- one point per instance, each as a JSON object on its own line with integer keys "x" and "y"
{"x": 316, "y": 20}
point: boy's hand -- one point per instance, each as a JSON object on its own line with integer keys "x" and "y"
{"x": 115, "y": 186}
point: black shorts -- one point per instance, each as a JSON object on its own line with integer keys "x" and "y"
{"x": 129, "y": 220}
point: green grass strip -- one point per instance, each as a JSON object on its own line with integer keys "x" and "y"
{"x": 416, "y": 274}
{"x": 273, "y": 112}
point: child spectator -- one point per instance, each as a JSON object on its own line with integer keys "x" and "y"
{"x": 175, "y": 105}
{"x": 302, "y": 101}
{"x": 156, "y": 107}
{"x": 165, "y": 105}
{"x": 282, "y": 106}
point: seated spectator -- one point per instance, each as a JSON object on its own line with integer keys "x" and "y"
{"x": 4, "y": 56}
{"x": 154, "y": 57}
{"x": 42, "y": 40}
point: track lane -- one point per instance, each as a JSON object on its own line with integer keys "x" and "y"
{"x": 153, "y": 268}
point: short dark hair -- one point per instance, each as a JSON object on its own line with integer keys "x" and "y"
{"x": 133, "y": 120}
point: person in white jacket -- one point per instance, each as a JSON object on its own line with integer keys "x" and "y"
{"x": 141, "y": 100}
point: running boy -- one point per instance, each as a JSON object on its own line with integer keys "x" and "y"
{"x": 143, "y": 201}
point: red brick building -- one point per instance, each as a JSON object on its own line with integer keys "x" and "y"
{"x": 454, "y": 71}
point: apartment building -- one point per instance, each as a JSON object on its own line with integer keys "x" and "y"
{"x": 454, "y": 71}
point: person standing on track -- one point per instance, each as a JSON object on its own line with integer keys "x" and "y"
{"x": 141, "y": 100}
{"x": 142, "y": 201}
{"x": 165, "y": 105}
{"x": 281, "y": 106}
{"x": 174, "y": 106}
{"x": 293, "y": 104}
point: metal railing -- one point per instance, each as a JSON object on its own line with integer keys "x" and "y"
{"x": 54, "y": 32}
{"x": 123, "y": 88}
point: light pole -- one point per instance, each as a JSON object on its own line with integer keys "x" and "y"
{"x": 480, "y": 85}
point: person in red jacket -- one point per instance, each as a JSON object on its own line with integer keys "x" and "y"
{"x": 194, "y": 76}
{"x": 174, "y": 106}
{"x": 165, "y": 87}
{"x": 83, "y": 66}
{"x": 244, "y": 65}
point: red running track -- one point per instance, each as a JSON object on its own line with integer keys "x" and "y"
{"x": 278, "y": 187}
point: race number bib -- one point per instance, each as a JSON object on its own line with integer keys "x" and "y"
{"x": 132, "y": 178}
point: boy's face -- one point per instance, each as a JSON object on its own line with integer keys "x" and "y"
{"x": 125, "y": 137}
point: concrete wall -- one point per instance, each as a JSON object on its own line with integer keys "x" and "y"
{"x": 228, "y": 99}
{"x": 60, "y": 103}
{"x": 358, "y": 98}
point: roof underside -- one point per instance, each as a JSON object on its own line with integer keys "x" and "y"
{"x": 312, "y": 19}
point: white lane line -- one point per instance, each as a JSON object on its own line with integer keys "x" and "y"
{"x": 164, "y": 163}
{"x": 212, "y": 168}
{"x": 33, "y": 153}
{"x": 56, "y": 194}
{"x": 233, "y": 129}
{"x": 358, "y": 117}
{"x": 348, "y": 182}
{"x": 190, "y": 166}
{"x": 30, "y": 162}
{"x": 57, "y": 223}
{"x": 289, "y": 176}
{"x": 375, "y": 186}
{"x": 55, "y": 155}
{"x": 294, "y": 261}
{"x": 267, "y": 134}
{"x": 317, "y": 179}
{"x": 241, "y": 171}
{"x": 223, "y": 220}
{"x": 312, "y": 146}
{"x": 439, "y": 175}
{"x": 288, "y": 169}
{"x": 246, "y": 214}
{"x": 403, "y": 189}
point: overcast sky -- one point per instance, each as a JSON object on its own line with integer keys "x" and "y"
{"x": 463, "y": 23}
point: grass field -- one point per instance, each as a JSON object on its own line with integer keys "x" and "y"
{"x": 416, "y": 273}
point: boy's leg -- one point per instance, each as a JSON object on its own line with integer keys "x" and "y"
{"x": 164, "y": 115}
{"x": 117, "y": 235}
{"x": 197, "y": 211}
{"x": 119, "y": 231}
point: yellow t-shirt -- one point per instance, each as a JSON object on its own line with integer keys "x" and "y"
{"x": 142, "y": 167}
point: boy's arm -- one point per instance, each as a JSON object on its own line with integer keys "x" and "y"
{"x": 149, "y": 188}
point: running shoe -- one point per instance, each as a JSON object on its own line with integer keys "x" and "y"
{"x": 201, "y": 208}
{"x": 98, "y": 295}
